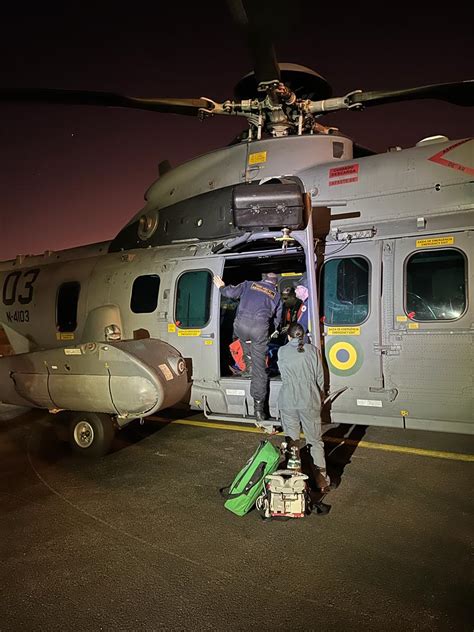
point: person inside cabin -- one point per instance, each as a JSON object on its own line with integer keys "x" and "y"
{"x": 290, "y": 315}
{"x": 302, "y": 293}
{"x": 291, "y": 309}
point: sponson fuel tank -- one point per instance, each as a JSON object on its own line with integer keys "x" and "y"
{"x": 131, "y": 378}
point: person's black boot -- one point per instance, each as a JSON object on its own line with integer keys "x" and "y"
{"x": 259, "y": 411}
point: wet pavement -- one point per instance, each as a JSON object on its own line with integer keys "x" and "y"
{"x": 140, "y": 540}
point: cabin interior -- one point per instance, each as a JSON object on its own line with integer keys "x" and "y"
{"x": 249, "y": 267}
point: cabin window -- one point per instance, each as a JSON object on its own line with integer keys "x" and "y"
{"x": 145, "y": 292}
{"x": 345, "y": 291}
{"x": 193, "y": 299}
{"x": 66, "y": 306}
{"x": 435, "y": 285}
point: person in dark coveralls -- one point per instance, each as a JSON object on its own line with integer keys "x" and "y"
{"x": 260, "y": 306}
{"x": 299, "y": 399}
{"x": 291, "y": 309}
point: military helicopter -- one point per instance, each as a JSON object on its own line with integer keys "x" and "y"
{"x": 114, "y": 331}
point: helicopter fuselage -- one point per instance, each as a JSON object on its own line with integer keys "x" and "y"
{"x": 386, "y": 243}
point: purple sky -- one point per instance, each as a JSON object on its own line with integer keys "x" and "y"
{"x": 75, "y": 175}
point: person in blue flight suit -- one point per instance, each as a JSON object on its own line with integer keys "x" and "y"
{"x": 260, "y": 307}
{"x": 299, "y": 400}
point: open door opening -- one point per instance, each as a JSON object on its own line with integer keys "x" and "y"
{"x": 249, "y": 267}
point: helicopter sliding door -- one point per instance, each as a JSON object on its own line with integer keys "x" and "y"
{"x": 194, "y": 302}
{"x": 429, "y": 355}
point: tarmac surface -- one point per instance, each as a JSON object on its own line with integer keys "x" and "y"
{"x": 140, "y": 539}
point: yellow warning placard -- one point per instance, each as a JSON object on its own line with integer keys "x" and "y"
{"x": 208, "y": 342}
{"x": 189, "y": 332}
{"x": 413, "y": 326}
{"x": 435, "y": 241}
{"x": 255, "y": 159}
{"x": 344, "y": 331}
{"x": 402, "y": 319}
{"x": 171, "y": 328}
{"x": 65, "y": 336}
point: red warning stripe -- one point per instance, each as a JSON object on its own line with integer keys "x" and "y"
{"x": 438, "y": 158}
{"x": 343, "y": 175}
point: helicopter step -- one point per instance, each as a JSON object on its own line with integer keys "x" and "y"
{"x": 271, "y": 421}
{"x": 123, "y": 379}
{"x": 233, "y": 396}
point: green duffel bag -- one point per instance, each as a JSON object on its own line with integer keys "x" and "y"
{"x": 249, "y": 482}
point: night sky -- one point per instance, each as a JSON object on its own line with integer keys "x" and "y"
{"x": 71, "y": 175}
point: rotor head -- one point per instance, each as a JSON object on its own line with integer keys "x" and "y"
{"x": 304, "y": 82}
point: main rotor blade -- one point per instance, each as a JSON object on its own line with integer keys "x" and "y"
{"x": 264, "y": 58}
{"x": 108, "y": 99}
{"x": 263, "y": 22}
{"x": 458, "y": 93}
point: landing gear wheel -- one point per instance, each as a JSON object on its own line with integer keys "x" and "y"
{"x": 91, "y": 434}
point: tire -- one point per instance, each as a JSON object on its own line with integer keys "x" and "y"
{"x": 91, "y": 434}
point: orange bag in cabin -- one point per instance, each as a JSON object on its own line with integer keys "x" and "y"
{"x": 237, "y": 354}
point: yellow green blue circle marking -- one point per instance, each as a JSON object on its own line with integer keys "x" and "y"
{"x": 344, "y": 356}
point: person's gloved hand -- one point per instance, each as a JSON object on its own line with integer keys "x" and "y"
{"x": 275, "y": 334}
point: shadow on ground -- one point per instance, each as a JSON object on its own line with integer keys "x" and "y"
{"x": 137, "y": 431}
{"x": 340, "y": 444}
{"x": 49, "y": 433}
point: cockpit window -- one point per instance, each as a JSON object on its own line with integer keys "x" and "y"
{"x": 345, "y": 291}
{"x": 436, "y": 285}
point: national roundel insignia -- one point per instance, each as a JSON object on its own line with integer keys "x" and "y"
{"x": 344, "y": 356}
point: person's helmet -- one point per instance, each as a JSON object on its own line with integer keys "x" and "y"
{"x": 271, "y": 277}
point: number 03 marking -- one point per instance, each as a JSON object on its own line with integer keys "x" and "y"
{"x": 24, "y": 293}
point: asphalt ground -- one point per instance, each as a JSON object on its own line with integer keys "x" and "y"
{"x": 140, "y": 540}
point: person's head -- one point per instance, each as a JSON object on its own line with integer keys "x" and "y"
{"x": 288, "y": 296}
{"x": 296, "y": 331}
{"x": 270, "y": 277}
